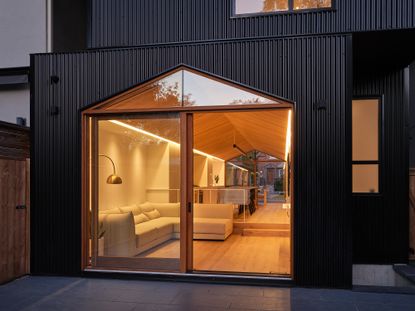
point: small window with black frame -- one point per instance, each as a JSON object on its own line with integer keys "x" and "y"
{"x": 366, "y": 140}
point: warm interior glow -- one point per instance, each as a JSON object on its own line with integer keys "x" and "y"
{"x": 90, "y": 163}
{"x": 288, "y": 137}
{"x": 171, "y": 142}
{"x": 234, "y": 165}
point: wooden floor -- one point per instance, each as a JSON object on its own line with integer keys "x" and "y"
{"x": 271, "y": 213}
{"x": 243, "y": 254}
{"x": 240, "y": 253}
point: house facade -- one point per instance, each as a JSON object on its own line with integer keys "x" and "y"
{"x": 341, "y": 68}
{"x": 32, "y": 27}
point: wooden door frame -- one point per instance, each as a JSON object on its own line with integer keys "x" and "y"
{"x": 186, "y": 192}
{"x": 186, "y": 169}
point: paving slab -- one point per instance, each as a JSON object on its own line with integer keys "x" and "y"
{"x": 35, "y": 293}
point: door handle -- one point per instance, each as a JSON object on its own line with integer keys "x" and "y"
{"x": 189, "y": 207}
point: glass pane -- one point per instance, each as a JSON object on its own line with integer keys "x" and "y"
{"x": 183, "y": 88}
{"x": 365, "y": 128}
{"x": 259, "y": 6}
{"x": 166, "y": 92}
{"x": 366, "y": 178}
{"x": 311, "y": 4}
{"x": 138, "y": 181}
{"x": 241, "y": 208}
{"x": 201, "y": 90}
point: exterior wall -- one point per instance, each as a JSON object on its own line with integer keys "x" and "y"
{"x": 380, "y": 222}
{"x": 26, "y": 27}
{"x": 306, "y": 70}
{"x": 15, "y": 102}
{"x": 115, "y": 23}
{"x": 378, "y": 275}
{"x": 411, "y": 117}
{"x": 23, "y": 30}
{"x": 69, "y": 31}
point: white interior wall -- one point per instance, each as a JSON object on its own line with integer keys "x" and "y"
{"x": 218, "y": 168}
{"x": 158, "y": 170}
{"x": 200, "y": 170}
{"x": 131, "y": 164}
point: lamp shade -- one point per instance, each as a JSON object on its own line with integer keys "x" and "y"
{"x": 114, "y": 180}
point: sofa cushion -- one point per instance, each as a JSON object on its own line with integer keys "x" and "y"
{"x": 131, "y": 208}
{"x": 211, "y": 225}
{"x": 145, "y": 232}
{"x": 164, "y": 225}
{"x": 165, "y": 209}
{"x": 138, "y": 219}
{"x": 168, "y": 209}
{"x": 146, "y": 207}
{"x": 175, "y": 221}
{"x": 153, "y": 214}
{"x": 115, "y": 210}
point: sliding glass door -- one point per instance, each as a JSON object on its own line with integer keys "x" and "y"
{"x": 135, "y": 192}
{"x": 241, "y": 194}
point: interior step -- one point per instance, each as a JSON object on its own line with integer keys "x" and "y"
{"x": 267, "y": 232}
{"x": 250, "y": 225}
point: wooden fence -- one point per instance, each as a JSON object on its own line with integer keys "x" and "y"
{"x": 14, "y": 201}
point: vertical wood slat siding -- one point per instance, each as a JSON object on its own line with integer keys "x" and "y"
{"x": 130, "y": 22}
{"x": 380, "y": 222}
{"x": 305, "y": 70}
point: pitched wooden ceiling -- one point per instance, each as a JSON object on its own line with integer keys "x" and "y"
{"x": 261, "y": 130}
{"x": 215, "y": 133}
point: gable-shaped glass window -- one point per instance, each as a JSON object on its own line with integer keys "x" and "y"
{"x": 184, "y": 87}
{"x": 266, "y": 6}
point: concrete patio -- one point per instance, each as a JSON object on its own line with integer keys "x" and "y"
{"x": 66, "y": 293}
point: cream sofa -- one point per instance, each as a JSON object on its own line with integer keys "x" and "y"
{"x": 128, "y": 234}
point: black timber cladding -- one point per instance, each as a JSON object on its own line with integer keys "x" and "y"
{"x": 69, "y": 19}
{"x": 380, "y": 221}
{"x": 115, "y": 23}
{"x": 306, "y": 70}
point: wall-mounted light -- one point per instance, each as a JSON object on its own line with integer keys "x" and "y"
{"x": 54, "y": 111}
{"x": 112, "y": 179}
{"x": 54, "y": 79}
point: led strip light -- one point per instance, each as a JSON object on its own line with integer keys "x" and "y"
{"x": 288, "y": 137}
{"x": 133, "y": 128}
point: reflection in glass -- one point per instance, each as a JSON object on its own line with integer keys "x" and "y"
{"x": 258, "y": 6}
{"x": 311, "y": 4}
{"x": 185, "y": 88}
{"x": 166, "y": 92}
{"x": 203, "y": 91}
{"x": 139, "y": 216}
